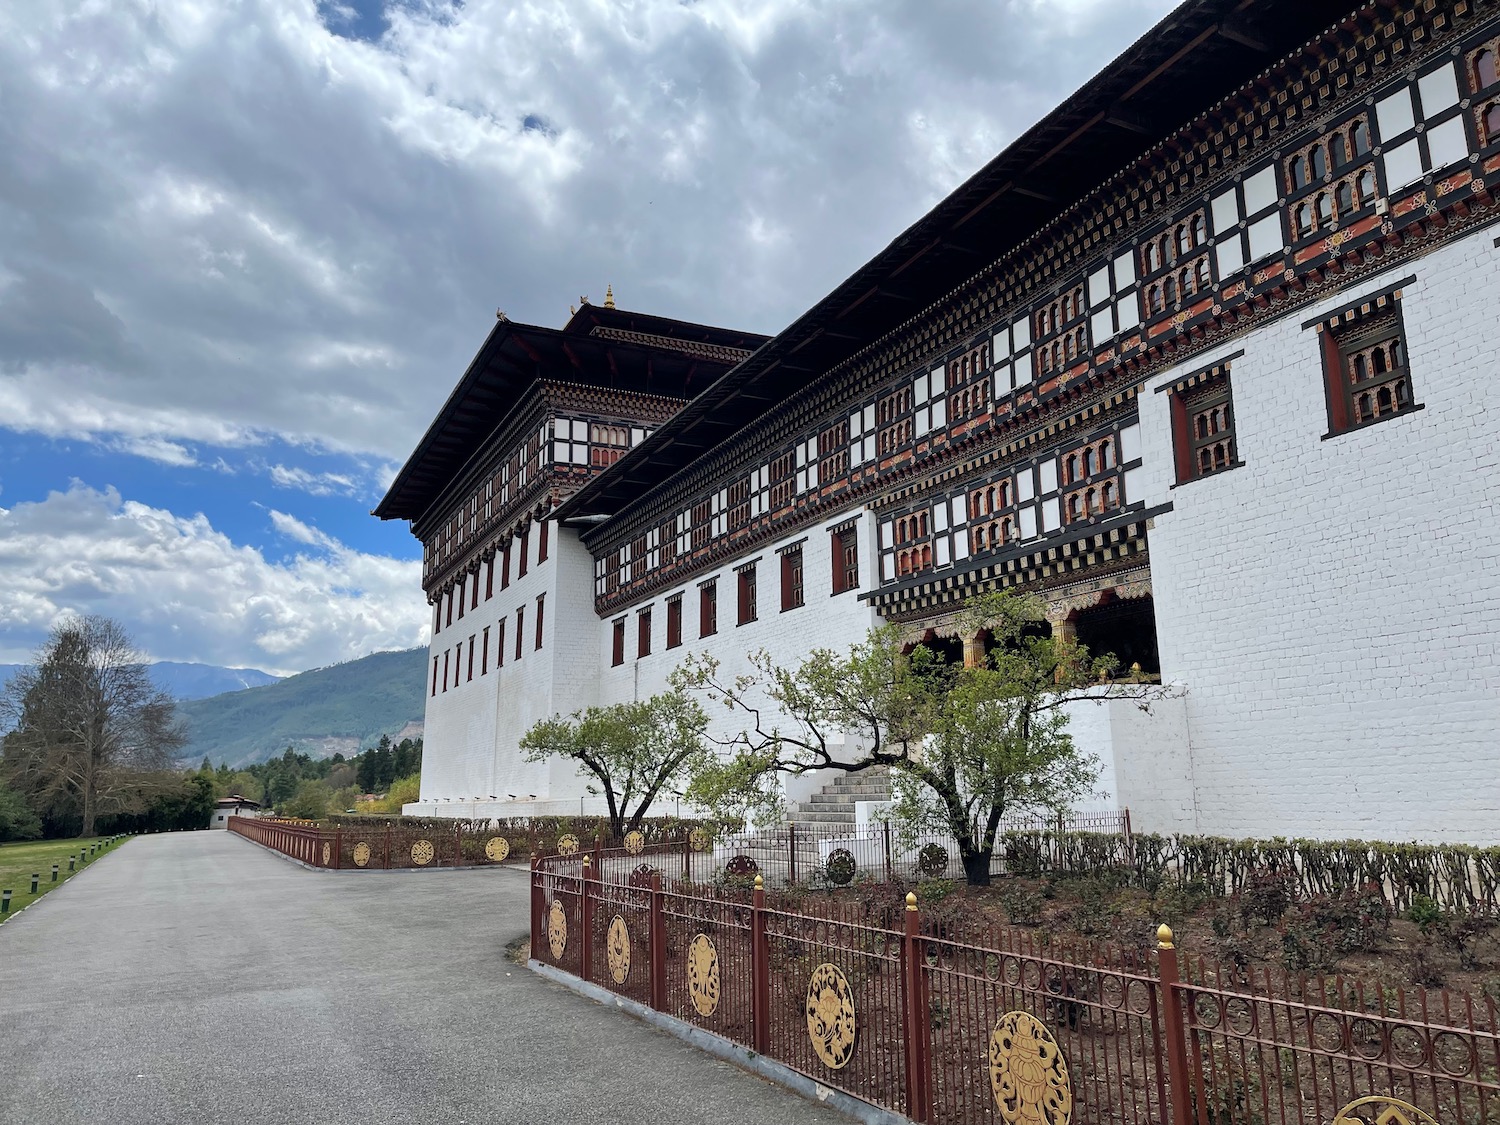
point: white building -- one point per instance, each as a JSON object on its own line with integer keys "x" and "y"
{"x": 233, "y": 805}
{"x": 1216, "y": 390}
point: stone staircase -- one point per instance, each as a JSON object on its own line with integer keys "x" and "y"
{"x": 831, "y": 809}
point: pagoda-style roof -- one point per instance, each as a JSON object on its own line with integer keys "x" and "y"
{"x": 603, "y": 347}
{"x": 1194, "y": 57}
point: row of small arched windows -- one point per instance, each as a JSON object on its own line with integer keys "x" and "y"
{"x": 966, "y": 366}
{"x": 1062, "y": 351}
{"x": 911, "y": 527}
{"x": 1334, "y": 204}
{"x": 1173, "y": 244}
{"x": 992, "y": 535}
{"x": 1484, "y": 66}
{"x": 1067, "y": 307}
{"x": 1163, "y": 294}
{"x": 913, "y": 559}
{"x": 1084, "y": 463}
{"x": 990, "y": 499}
{"x": 1093, "y": 501}
{"x": 1333, "y": 151}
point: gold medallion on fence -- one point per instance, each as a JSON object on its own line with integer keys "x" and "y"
{"x": 830, "y": 1016}
{"x": 497, "y": 848}
{"x": 557, "y": 930}
{"x": 1382, "y": 1111}
{"x": 635, "y": 842}
{"x": 617, "y": 950}
{"x": 699, "y": 840}
{"x": 327, "y": 854}
{"x": 703, "y": 975}
{"x": 1028, "y": 1073}
{"x": 422, "y": 853}
{"x": 361, "y": 854}
{"x": 567, "y": 845}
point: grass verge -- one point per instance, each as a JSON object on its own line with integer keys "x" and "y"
{"x": 19, "y": 861}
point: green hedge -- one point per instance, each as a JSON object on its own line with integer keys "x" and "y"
{"x": 539, "y": 833}
{"x": 1459, "y": 878}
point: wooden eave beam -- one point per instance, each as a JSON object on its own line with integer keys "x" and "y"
{"x": 1239, "y": 31}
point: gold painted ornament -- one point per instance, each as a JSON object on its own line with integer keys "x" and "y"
{"x": 831, "y": 1022}
{"x": 422, "y": 853}
{"x": 700, "y": 840}
{"x": 497, "y": 848}
{"x": 635, "y": 841}
{"x": 557, "y": 930}
{"x": 327, "y": 854}
{"x": 1028, "y": 1073}
{"x": 361, "y": 854}
{"x": 567, "y": 845}
{"x": 617, "y": 950}
{"x": 1382, "y": 1111}
{"x": 703, "y": 975}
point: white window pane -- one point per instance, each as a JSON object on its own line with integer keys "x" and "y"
{"x": 1002, "y": 344}
{"x": 1403, "y": 164}
{"x": 854, "y": 427}
{"x": 960, "y": 546}
{"x": 1028, "y": 523}
{"x": 1128, "y": 313}
{"x": 1124, "y": 270}
{"x": 1020, "y": 334}
{"x": 1048, "y": 476}
{"x": 1265, "y": 237}
{"x": 1133, "y": 484}
{"x": 869, "y": 448}
{"x": 580, "y": 430}
{"x": 887, "y": 568}
{"x": 1025, "y": 484}
{"x": 1130, "y": 444}
{"x": 870, "y": 418}
{"x": 1260, "y": 191}
{"x": 1394, "y": 114}
{"x": 940, "y": 412}
{"x": 1447, "y": 143}
{"x": 940, "y": 517}
{"x": 943, "y": 558}
{"x": 1226, "y": 212}
{"x": 939, "y": 380}
{"x": 1099, "y": 290}
{"x": 1231, "y": 257}
{"x": 885, "y": 533}
{"x": 560, "y": 451}
{"x": 960, "y": 511}
{"x": 1002, "y": 381}
{"x": 1051, "y": 515}
{"x": 919, "y": 390}
{"x": 1020, "y": 372}
{"x": 1438, "y": 90}
{"x": 580, "y": 455}
{"x": 1102, "y": 324}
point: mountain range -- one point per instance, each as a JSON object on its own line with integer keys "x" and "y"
{"x": 341, "y": 708}
{"x": 188, "y": 681}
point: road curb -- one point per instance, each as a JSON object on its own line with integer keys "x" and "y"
{"x": 728, "y": 1050}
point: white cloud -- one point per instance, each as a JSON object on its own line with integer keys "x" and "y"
{"x": 186, "y": 592}
{"x": 314, "y": 484}
{"x": 223, "y": 224}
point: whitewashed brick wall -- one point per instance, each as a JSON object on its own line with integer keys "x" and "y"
{"x": 1333, "y": 606}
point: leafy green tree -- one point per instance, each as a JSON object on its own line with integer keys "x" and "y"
{"x": 311, "y": 801}
{"x": 635, "y": 751}
{"x": 92, "y": 732}
{"x": 403, "y": 791}
{"x": 17, "y": 821}
{"x": 965, "y": 746}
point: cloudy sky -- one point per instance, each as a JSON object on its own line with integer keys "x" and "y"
{"x": 248, "y": 246}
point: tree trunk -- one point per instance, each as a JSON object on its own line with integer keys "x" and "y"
{"x": 976, "y": 866}
{"x": 90, "y": 795}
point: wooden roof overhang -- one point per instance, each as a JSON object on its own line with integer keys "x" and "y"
{"x": 514, "y": 357}
{"x": 1198, "y": 54}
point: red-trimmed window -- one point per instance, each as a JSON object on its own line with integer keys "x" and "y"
{"x": 434, "y": 675}
{"x": 643, "y": 633}
{"x": 520, "y": 629}
{"x": 541, "y": 541}
{"x": 674, "y": 621}
{"x": 1365, "y": 372}
{"x": 792, "y": 595}
{"x": 500, "y": 645}
{"x": 505, "y": 566}
{"x": 745, "y": 584}
{"x": 521, "y": 563}
{"x": 471, "y": 657}
{"x": 540, "y": 611}
{"x": 484, "y": 653}
{"x": 708, "y": 609}
{"x": 845, "y": 545}
{"x": 489, "y": 578}
{"x": 617, "y": 643}
{"x": 446, "y": 656}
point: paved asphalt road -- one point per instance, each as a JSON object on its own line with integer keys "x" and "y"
{"x": 197, "y": 978}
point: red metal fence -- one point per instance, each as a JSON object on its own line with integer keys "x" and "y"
{"x": 1006, "y": 1027}
{"x": 382, "y": 846}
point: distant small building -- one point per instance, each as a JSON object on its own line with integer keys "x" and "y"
{"x": 233, "y": 805}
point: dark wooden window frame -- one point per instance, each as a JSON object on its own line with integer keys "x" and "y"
{"x": 643, "y": 633}
{"x": 541, "y": 607}
{"x": 793, "y": 575}
{"x": 674, "y": 621}
{"x": 1347, "y": 332}
{"x": 708, "y": 608}
{"x": 844, "y": 546}
{"x": 747, "y": 599}
{"x": 617, "y": 642}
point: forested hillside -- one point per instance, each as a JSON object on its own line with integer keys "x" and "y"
{"x": 326, "y": 710}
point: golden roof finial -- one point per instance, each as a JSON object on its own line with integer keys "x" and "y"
{"x": 609, "y": 296}
{"x": 572, "y": 311}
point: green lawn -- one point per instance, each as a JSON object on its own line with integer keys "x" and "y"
{"x": 18, "y": 861}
